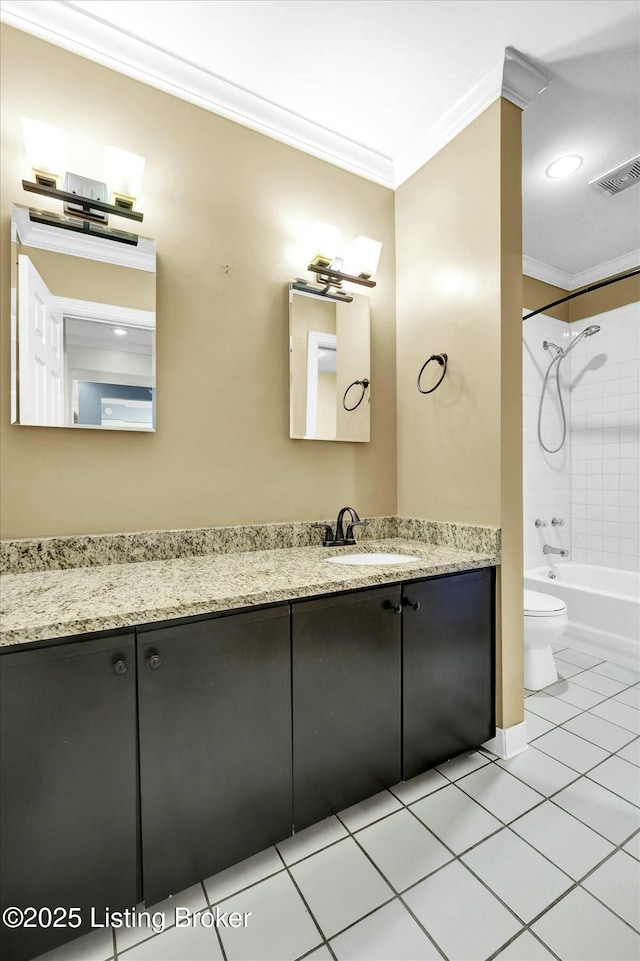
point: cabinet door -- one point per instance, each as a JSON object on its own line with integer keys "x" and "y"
{"x": 68, "y": 796}
{"x": 346, "y": 701}
{"x": 215, "y": 745}
{"x": 448, "y": 668}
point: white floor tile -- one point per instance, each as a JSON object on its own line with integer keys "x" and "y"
{"x": 602, "y": 733}
{"x": 242, "y": 875}
{"x": 575, "y": 694}
{"x": 196, "y": 943}
{"x": 551, "y": 708}
{"x": 536, "y": 726}
{"x": 192, "y": 899}
{"x": 279, "y": 928}
{"x": 390, "y": 932}
{"x": 631, "y": 697}
{"x": 340, "y": 885}
{"x": 455, "y": 818}
{"x": 371, "y": 809}
{"x": 573, "y": 656}
{"x": 524, "y": 948}
{"x": 603, "y": 811}
{"x": 618, "y": 673}
{"x": 617, "y": 884}
{"x": 420, "y": 786}
{"x": 631, "y": 752}
{"x": 619, "y": 776}
{"x": 503, "y": 795}
{"x": 464, "y": 764}
{"x": 565, "y": 669}
{"x": 322, "y": 954}
{"x": 557, "y": 647}
{"x": 578, "y": 928}
{"x": 598, "y": 682}
{"x": 521, "y": 877}
{"x": 462, "y": 917}
{"x": 96, "y": 946}
{"x": 403, "y": 849}
{"x": 312, "y": 839}
{"x": 621, "y": 714}
{"x": 539, "y": 771}
{"x": 567, "y": 842}
{"x": 633, "y": 847}
{"x": 571, "y": 750}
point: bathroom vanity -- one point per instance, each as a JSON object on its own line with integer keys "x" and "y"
{"x": 141, "y": 760}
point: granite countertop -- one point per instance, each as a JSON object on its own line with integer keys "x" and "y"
{"x": 43, "y": 605}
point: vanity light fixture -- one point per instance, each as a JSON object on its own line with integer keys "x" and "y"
{"x": 563, "y": 167}
{"x": 86, "y": 206}
{"x": 356, "y": 267}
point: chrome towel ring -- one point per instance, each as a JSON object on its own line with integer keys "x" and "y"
{"x": 440, "y": 359}
{"x": 357, "y": 383}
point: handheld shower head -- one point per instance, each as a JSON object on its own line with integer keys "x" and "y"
{"x": 590, "y": 331}
{"x": 587, "y": 332}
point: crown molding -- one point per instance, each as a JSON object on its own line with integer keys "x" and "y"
{"x": 561, "y": 278}
{"x": 510, "y": 76}
{"x": 85, "y": 34}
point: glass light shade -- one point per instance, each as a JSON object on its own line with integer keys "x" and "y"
{"x": 324, "y": 243}
{"x": 363, "y": 257}
{"x": 47, "y": 147}
{"x": 564, "y": 167}
{"x": 123, "y": 172}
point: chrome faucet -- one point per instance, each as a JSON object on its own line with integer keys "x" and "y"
{"x": 340, "y": 539}
{"x": 548, "y": 549}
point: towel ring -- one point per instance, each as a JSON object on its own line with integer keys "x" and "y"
{"x": 360, "y": 383}
{"x": 440, "y": 359}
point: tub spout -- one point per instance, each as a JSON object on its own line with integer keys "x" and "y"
{"x": 548, "y": 549}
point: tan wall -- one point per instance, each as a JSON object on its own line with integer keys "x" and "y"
{"x": 537, "y": 294}
{"x": 214, "y": 193}
{"x": 459, "y": 290}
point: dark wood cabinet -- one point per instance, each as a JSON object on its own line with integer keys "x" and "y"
{"x": 68, "y": 785}
{"x": 215, "y": 745}
{"x": 448, "y": 667}
{"x": 346, "y": 700}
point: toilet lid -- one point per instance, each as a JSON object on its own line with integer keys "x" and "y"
{"x": 537, "y": 604}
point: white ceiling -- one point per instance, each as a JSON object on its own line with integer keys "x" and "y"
{"x": 377, "y": 86}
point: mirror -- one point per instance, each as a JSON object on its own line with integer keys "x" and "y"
{"x": 329, "y": 368}
{"x": 83, "y": 329}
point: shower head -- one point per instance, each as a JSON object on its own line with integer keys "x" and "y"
{"x": 593, "y": 329}
{"x": 587, "y": 332}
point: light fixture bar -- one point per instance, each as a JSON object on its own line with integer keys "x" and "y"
{"x": 87, "y": 203}
{"x": 325, "y": 292}
{"x": 339, "y": 276}
{"x": 79, "y": 226}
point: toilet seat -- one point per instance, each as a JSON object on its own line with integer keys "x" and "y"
{"x": 537, "y": 604}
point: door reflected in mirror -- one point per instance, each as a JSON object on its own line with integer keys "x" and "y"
{"x": 83, "y": 329}
{"x": 329, "y": 361}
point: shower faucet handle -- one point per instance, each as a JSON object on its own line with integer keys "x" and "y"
{"x": 540, "y": 523}
{"x": 557, "y": 522}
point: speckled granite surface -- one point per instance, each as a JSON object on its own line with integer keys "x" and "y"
{"x": 49, "y": 604}
{"x": 101, "y": 550}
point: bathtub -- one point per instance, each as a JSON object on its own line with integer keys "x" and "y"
{"x": 603, "y": 605}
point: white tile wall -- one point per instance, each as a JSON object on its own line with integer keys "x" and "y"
{"x": 605, "y": 436}
{"x": 592, "y": 483}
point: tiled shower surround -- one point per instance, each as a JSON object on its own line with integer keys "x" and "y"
{"x": 592, "y": 483}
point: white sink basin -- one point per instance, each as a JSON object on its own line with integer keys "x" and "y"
{"x": 371, "y": 559}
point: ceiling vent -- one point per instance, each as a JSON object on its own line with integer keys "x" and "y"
{"x": 626, "y": 175}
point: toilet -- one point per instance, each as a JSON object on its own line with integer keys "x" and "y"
{"x": 545, "y": 620}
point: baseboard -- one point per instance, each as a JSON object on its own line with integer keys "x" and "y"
{"x": 508, "y": 741}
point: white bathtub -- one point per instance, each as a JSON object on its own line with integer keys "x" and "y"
{"x": 603, "y": 605}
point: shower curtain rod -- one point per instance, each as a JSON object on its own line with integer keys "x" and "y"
{"x": 579, "y": 293}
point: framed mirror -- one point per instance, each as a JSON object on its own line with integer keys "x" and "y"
{"x": 329, "y": 368}
{"x": 83, "y": 322}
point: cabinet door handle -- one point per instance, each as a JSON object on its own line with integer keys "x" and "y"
{"x": 154, "y": 661}
{"x": 120, "y": 667}
{"x": 414, "y": 604}
{"x": 390, "y": 606}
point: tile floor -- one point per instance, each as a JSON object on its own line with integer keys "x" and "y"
{"x": 518, "y": 860}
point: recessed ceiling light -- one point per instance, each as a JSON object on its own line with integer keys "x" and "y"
{"x": 119, "y": 332}
{"x": 564, "y": 167}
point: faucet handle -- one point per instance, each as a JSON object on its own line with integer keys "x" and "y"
{"x": 328, "y": 533}
{"x": 349, "y": 538}
{"x": 557, "y": 522}
{"x": 540, "y": 523}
